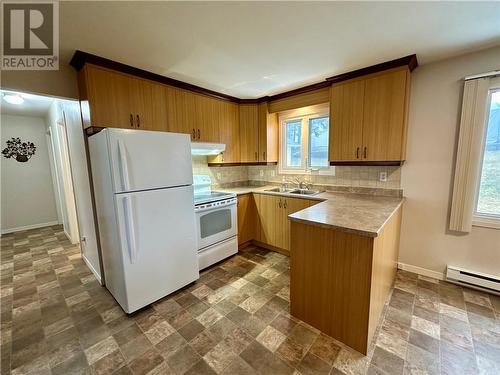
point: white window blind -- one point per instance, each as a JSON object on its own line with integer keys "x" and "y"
{"x": 469, "y": 152}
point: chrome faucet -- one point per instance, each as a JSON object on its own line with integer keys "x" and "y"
{"x": 302, "y": 183}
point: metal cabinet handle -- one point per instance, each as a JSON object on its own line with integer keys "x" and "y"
{"x": 365, "y": 152}
{"x": 357, "y": 153}
{"x": 264, "y": 155}
{"x": 194, "y": 133}
{"x": 138, "y": 121}
{"x": 199, "y": 134}
{"x": 222, "y": 156}
{"x": 279, "y": 204}
{"x": 284, "y": 204}
{"x": 131, "y": 120}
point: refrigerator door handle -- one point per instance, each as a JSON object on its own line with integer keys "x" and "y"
{"x": 130, "y": 228}
{"x": 123, "y": 165}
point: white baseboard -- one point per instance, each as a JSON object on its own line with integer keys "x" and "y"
{"x": 27, "y": 227}
{"x": 89, "y": 265}
{"x": 421, "y": 271}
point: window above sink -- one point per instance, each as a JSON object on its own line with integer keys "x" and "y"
{"x": 304, "y": 140}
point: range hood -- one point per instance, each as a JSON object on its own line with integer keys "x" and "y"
{"x": 206, "y": 148}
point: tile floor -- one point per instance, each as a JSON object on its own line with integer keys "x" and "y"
{"x": 56, "y": 319}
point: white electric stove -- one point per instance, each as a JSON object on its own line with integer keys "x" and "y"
{"x": 216, "y": 222}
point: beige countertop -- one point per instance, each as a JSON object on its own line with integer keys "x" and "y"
{"x": 361, "y": 214}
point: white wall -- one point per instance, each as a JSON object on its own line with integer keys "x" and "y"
{"x": 57, "y": 127}
{"x": 435, "y": 104}
{"x": 81, "y": 181}
{"x": 28, "y": 198}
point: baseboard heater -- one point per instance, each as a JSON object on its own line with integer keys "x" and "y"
{"x": 472, "y": 279}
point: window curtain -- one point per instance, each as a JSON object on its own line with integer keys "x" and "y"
{"x": 469, "y": 151}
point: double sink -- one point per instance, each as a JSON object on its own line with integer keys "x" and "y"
{"x": 293, "y": 191}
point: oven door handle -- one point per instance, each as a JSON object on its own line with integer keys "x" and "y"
{"x": 203, "y": 209}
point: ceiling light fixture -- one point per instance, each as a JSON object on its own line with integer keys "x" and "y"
{"x": 13, "y": 98}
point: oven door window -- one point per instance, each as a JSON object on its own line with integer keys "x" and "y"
{"x": 215, "y": 222}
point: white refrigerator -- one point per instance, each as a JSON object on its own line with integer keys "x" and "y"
{"x": 145, "y": 212}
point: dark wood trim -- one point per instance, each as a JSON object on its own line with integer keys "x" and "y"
{"x": 382, "y": 163}
{"x": 81, "y": 58}
{"x": 91, "y": 130}
{"x": 410, "y": 61}
{"x": 300, "y": 90}
{"x": 241, "y": 164}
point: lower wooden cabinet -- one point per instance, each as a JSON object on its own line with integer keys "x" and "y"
{"x": 264, "y": 218}
{"x": 247, "y": 218}
{"x": 273, "y": 211}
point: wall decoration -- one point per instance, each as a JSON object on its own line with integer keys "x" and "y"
{"x": 19, "y": 150}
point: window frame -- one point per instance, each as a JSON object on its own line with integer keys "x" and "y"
{"x": 305, "y": 114}
{"x": 483, "y": 219}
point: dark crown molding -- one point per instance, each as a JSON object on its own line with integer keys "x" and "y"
{"x": 81, "y": 58}
{"x": 410, "y": 61}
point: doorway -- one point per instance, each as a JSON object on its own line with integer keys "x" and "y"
{"x": 52, "y": 186}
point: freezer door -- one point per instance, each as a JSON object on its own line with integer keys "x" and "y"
{"x": 157, "y": 233}
{"x": 143, "y": 160}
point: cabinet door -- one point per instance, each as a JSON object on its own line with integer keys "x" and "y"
{"x": 384, "y": 124}
{"x": 156, "y": 115}
{"x": 206, "y": 118}
{"x": 346, "y": 121}
{"x": 229, "y": 133}
{"x": 268, "y": 134}
{"x": 249, "y": 133}
{"x": 267, "y": 209}
{"x": 247, "y": 213}
{"x": 291, "y": 205}
{"x": 180, "y": 114}
{"x": 109, "y": 98}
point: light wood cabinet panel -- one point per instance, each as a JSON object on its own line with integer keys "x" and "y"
{"x": 368, "y": 118}
{"x": 346, "y": 121}
{"x": 247, "y": 218}
{"x": 206, "y": 118}
{"x": 108, "y": 97}
{"x": 273, "y": 211}
{"x": 268, "y": 134}
{"x": 180, "y": 104}
{"x": 291, "y": 206}
{"x": 267, "y": 210}
{"x": 122, "y": 101}
{"x": 159, "y": 107}
{"x": 249, "y": 133}
{"x": 340, "y": 281}
{"x": 305, "y": 99}
{"x": 229, "y": 133}
{"x": 384, "y": 116}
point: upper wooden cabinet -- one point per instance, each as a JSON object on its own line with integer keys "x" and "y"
{"x": 121, "y": 101}
{"x": 180, "y": 114}
{"x": 268, "y": 134}
{"x": 368, "y": 118}
{"x": 346, "y": 121}
{"x": 249, "y": 133}
{"x": 228, "y": 122}
{"x": 258, "y": 134}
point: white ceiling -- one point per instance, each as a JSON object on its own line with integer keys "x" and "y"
{"x": 33, "y": 105}
{"x": 251, "y": 49}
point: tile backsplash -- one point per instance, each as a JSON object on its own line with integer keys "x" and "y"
{"x": 357, "y": 176}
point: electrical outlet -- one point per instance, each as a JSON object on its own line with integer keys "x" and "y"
{"x": 218, "y": 176}
{"x": 261, "y": 173}
{"x": 383, "y": 177}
